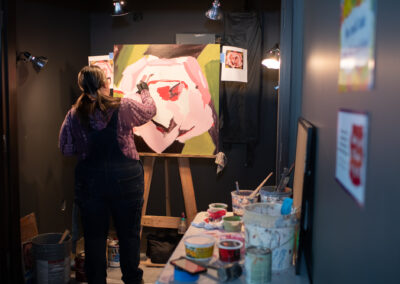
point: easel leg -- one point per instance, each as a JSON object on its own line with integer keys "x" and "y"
{"x": 148, "y": 165}
{"x": 167, "y": 191}
{"x": 187, "y": 188}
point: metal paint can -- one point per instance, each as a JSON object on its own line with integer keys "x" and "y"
{"x": 113, "y": 253}
{"x": 258, "y": 265}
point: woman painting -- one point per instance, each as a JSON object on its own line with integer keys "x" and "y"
{"x": 109, "y": 174}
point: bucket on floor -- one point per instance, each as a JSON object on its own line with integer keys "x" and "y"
{"x": 51, "y": 259}
{"x": 265, "y": 227}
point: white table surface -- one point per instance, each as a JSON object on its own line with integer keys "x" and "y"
{"x": 167, "y": 274}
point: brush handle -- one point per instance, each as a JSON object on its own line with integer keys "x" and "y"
{"x": 261, "y": 185}
{"x": 66, "y": 232}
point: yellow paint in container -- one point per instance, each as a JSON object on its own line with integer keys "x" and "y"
{"x": 199, "y": 247}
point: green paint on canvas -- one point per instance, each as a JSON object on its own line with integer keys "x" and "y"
{"x": 202, "y": 144}
{"x": 212, "y": 74}
{"x": 208, "y": 60}
{"x": 129, "y": 54}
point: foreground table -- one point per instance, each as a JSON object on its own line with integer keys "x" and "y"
{"x": 167, "y": 274}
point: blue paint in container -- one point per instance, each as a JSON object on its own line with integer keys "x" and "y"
{"x": 183, "y": 276}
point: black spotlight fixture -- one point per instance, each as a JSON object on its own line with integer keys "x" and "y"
{"x": 118, "y": 9}
{"x": 215, "y": 12}
{"x": 38, "y": 62}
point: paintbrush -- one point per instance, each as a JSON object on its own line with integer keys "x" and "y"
{"x": 237, "y": 187}
{"x": 254, "y": 193}
{"x": 66, "y": 232}
{"x": 284, "y": 179}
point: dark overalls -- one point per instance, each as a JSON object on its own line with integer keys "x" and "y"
{"x": 109, "y": 182}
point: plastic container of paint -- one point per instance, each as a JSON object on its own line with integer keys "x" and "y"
{"x": 242, "y": 199}
{"x": 269, "y": 194}
{"x": 215, "y": 214}
{"x": 229, "y": 250}
{"x": 218, "y": 205}
{"x": 199, "y": 247}
{"x": 232, "y": 223}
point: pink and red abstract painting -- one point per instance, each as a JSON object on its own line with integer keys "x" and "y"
{"x": 184, "y": 83}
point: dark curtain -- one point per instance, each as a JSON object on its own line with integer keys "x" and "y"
{"x": 240, "y": 101}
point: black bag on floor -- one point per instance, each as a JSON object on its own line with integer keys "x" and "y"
{"x": 160, "y": 246}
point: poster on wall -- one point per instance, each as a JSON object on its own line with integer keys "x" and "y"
{"x": 351, "y": 152}
{"x": 357, "y": 45}
{"x": 234, "y": 64}
{"x": 184, "y": 83}
{"x": 105, "y": 62}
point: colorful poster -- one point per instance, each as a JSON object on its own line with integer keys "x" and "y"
{"x": 234, "y": 64}
{"x": 357, "y": 45}
{"x": 105, "y": 62}
{"x": 351, "y": 153}
{"x": 184, "y": 83}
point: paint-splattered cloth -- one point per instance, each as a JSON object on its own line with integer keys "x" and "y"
{"x": 73, "y": 139}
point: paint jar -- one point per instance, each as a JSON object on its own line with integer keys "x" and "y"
{"x": 269, "y": 194}
{"x": 229, "y": 250}
{"x": 113, "y": 253}
{"x": 232, "y": 223}
{"x": 240, "y": 200}
{"x": 258, "y": 263}
{"x": 199, "y": 247}
{"x": 218, "y": 205}
{"x": 215, "y": 214}
{"x": 234, "y": 236}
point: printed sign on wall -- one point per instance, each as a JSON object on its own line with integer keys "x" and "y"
{"x": 357, "y": 45}
{"x": 351, "y": 152}
{"x": 234, "y": 64}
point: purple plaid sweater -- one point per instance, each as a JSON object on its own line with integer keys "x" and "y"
{"x": 73, "y": 139}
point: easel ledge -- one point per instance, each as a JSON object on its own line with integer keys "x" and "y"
{"x": 144, "y": 154}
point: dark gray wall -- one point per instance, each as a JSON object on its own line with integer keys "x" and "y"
{"x": 353, "y": 244}
{"x": 67, "y": 36}
{"x": 46, "y": 178}
{"x": 160, "y": 26}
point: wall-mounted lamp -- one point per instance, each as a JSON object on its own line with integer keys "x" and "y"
{"x": 273, "y": 58}
{"x": 37, "y": 62}
{"x": 215, "y": 12}
{"x": 118, "y": 9}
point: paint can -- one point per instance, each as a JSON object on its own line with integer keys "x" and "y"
{"x": 113, "y": 253}
{"x": 265, "y": 227}
{"x": 229, "y": 250}
{"x": 258, "y": 265}
{"x": 52, "y": 260}
{"x": 80, "y": 275}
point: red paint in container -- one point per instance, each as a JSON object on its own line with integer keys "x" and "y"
{"x": 216, "y": 214}
{"x": 229, "y": 250}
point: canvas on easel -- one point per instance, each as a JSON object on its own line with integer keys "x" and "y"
{"x": 184, "y": 83}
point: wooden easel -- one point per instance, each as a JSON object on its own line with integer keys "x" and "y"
{"x": 187, "y": 189}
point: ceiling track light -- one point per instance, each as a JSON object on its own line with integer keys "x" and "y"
{"x": 215, "y": 12}
{"x": 38, "y": 62}
{"x": 119, "y": 9}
